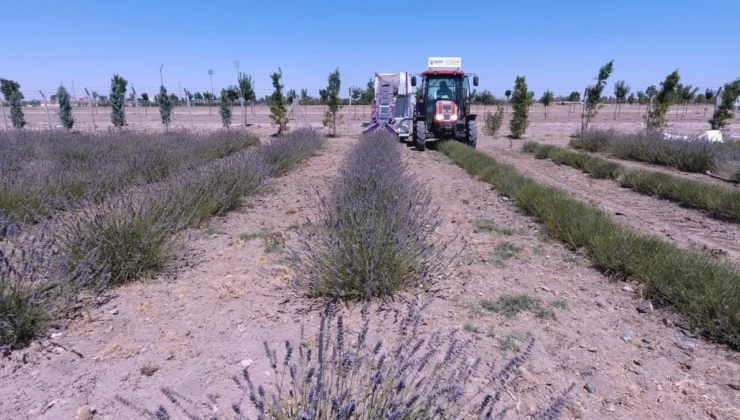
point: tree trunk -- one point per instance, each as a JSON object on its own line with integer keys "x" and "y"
{"x": 545, "y": 111}
{"x": 616, "y": 108}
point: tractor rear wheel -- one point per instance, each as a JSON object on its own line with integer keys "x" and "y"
{"x": 471, "y": 134}
{"x": 420, "y": 135}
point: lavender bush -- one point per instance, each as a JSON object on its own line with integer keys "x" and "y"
{"x": 286, "y": 150}
{"x": 410, "y": 376}
{"x": 36, "y": 285}
{"x": 376, "y": 227}
{"x": 42, "y": 172}
{"x": 691, "y": 155}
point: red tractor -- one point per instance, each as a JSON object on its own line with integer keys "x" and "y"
{"x": 443, "y": 104}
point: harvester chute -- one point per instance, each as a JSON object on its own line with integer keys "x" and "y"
{"x": 394, "y": 104}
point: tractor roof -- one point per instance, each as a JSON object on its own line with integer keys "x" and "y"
{"x": 445, "y": 72}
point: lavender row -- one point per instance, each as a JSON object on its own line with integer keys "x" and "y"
{"x": 377, "y": 222}
{"x": 42, "y": 172}
{"x": 692, "y": 154}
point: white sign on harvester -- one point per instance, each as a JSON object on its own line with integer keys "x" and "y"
{"x": 446, "y": 62}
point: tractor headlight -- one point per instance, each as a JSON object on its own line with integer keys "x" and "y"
{"x": 440, "y": 117}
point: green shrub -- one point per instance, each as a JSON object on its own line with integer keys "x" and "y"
{"x": 723, "y": 113}
{"x": 520, "y": 102}
{"x": 117, "y": 101}
{"x": 494, "y": 121}
{"x": 511, "y": 305}
{"x": 65, "y": 108}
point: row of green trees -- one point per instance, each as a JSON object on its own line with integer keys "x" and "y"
{"x": 670, "y": 92}
{"x": 11, "y": 91}
{"x": 683, "y": 95}
{"x": 660, "y": 99}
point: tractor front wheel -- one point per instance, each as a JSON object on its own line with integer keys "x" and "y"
{"x": 420, "y": 135}
{"x": 471, "y": 134}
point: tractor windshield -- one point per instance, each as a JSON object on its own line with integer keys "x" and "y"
{"x": 443, "y": 88}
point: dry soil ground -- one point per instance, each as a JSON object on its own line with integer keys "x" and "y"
{"x": 227, "y": 295}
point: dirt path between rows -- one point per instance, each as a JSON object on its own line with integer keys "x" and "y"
{"x": 191, "y": 331}
{"x": 687, "y": 228}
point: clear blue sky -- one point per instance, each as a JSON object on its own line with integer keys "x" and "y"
{"x": 557, "y": 44}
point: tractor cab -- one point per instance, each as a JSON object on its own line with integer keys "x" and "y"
{"x": 443, "y": 104}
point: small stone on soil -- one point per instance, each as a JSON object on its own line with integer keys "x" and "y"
{"x": 148, "y": 369}
{"x": 647, "y": 340}
{"x": 246, "y": 363}
{"x": 114, "y": 311}
{"x": 645, "y": 307}
{"x": 627, "y": 336}
{"x": 590, "y": 387}
{"x": 85, "y": 413}
{"x": 686, "y": 345}
{"x": 688, "y": 333}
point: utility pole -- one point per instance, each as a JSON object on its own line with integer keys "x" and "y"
{"x": 89, "y": 101}
{"x": 136, "y": 104}
{"x": 46, "y": 105}
{"x": 351, "y": 111}
{"x": 161, "y": 79}
{"x": 74, "y": 95}
{"x": 210, "y": 74}
{"x": 187, "y": 98}
{"x": 5, "y": 119}
{"x": 238, "y": 65}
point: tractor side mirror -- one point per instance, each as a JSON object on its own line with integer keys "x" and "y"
{"x": 475, "y": 81}
{"x": 413, "y": 80}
